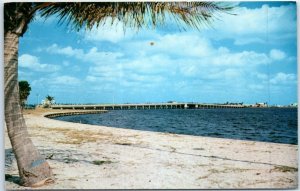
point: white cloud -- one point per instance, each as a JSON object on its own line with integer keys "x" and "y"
{"x": 243, "y": 41}
{"x": 33, "y": 63}
{"x": 277, "y": 54}
{"x": 68, "y": 51}
{"x": 260, "y": 25}
{"x": 256, "y": 87}
{"x": 260, "y": 76}
{"x": 150, "y": 64}
{"x": 283, "y": 78}
{"x": 241, "y": 59}
{"x": 92, "y": 55}
{"x": 112, "y": 32}
{"x": 226, "y": 74}
{"x": 189, "y": 54}
{"x": 90, "y": 78}
{"x": 225, "y": 64}
{"x": 54, "y": 81}
{"x": 184, "y": 44}
{"x": 180, "y": 55}
{"x": 145, "y": 78}
{"x": 266, "y": 19}
{"x": 65, "y": 80}
{"x": 66, "y": 63}
{"x": 95, "y": 56}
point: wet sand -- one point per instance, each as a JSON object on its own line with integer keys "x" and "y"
{"x": 97, "y": 157}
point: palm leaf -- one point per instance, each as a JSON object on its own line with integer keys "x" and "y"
{"x": 135, "y": 14}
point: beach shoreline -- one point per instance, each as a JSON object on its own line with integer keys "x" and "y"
{"x": 86, "y": 156}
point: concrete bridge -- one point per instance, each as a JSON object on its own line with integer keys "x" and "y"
{"x": 173, "y": 105}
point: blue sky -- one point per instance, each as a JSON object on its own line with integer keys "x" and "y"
{"x": 250, "y": 57}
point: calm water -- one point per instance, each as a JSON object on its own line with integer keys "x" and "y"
{"x": 270, "y": 125}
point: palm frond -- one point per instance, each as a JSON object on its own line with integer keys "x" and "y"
{"x": 16, "y": 17}
{"x": 135, "y": 14}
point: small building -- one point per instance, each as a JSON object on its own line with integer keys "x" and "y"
{"x": 261, "y": 105}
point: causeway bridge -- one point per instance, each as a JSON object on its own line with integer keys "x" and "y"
{"x": 173, "y": 105}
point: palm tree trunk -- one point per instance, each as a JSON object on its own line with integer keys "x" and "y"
{"x": 34, "y": 170}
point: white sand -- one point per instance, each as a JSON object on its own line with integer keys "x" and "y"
{"x": 140, "y": 159}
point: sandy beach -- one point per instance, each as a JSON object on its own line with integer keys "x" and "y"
{"x": 97, "y": 157}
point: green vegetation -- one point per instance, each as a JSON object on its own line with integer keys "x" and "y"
{"x": 285, "y": 169}
{"x": 49, "y": 100}
{"x": 100, "y": 162}
{"x": 24, "y": 92}
{"x": 70, "y": 160}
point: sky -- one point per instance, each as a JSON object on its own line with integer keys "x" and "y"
{"x": 248, "y": 57}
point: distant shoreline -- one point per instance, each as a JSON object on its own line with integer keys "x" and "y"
{"x": 58, "y": 114}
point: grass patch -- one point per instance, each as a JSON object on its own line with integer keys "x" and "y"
{"x": 100, "y": 162}
{"x": 76, "y": 136}
{"x": 202, "y": 165}
{"x": 69, "y": 160}
{"x": 49, "y": 156}
{"x": 285, "y": 169}
{"x": 199, "y": 149}
{"x": 173, "y": 149}
{"x": 203, "y": 177}
{"x": 127, "y": 144}
{"x": 227, "y": 170}
{"x": 216, "y": 171}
